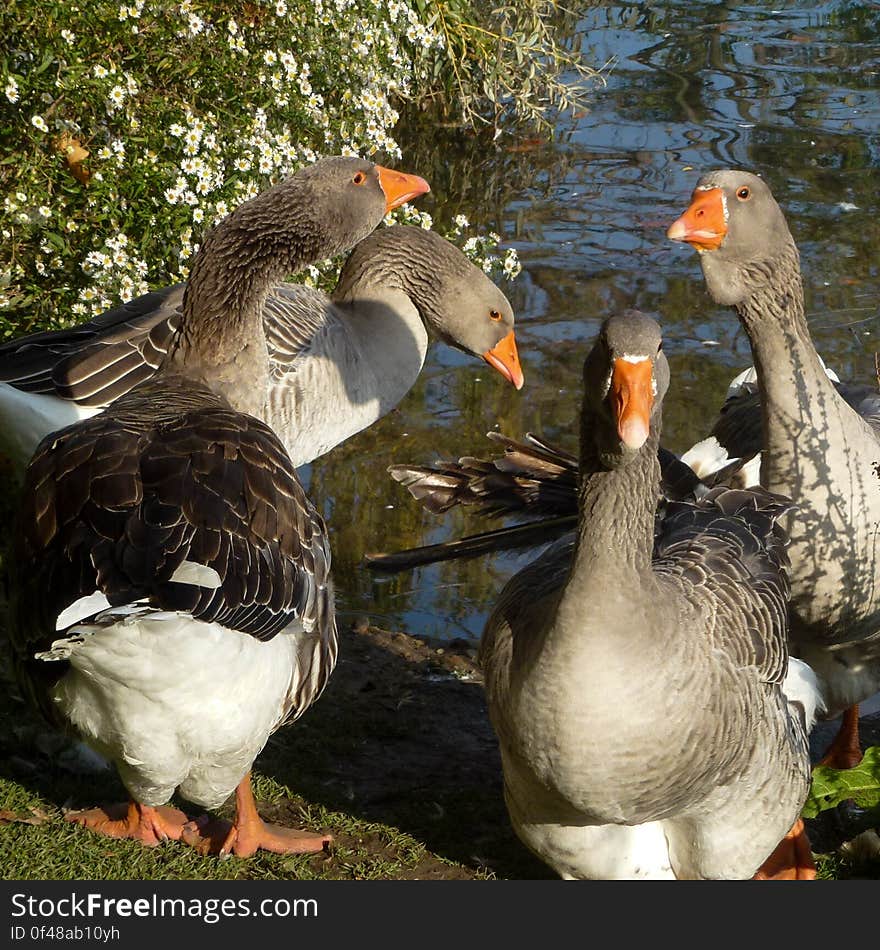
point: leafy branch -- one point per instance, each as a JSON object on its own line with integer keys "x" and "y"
{"x": 514, "y": 61}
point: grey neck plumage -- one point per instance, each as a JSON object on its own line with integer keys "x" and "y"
{"x": 221, "y": 340}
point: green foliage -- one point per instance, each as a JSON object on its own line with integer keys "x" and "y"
{"x": 507, "y": 61}
{"x": 833, "y": 786}
{"x": 131, "y": 128}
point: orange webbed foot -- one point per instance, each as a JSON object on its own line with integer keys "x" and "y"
{"x": 144, "y": 823}
{"x": 791, "y": 860}
{"x": 845, "y": 751}
{"x": 249, "y": 833}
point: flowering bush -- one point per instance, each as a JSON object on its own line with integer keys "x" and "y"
{"x": 136, "y": 126}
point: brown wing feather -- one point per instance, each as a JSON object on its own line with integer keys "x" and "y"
{"x": 118, "y": 503}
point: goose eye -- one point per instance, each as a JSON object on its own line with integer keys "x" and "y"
{"x": 495, "y": 315}
{"x": 744, "y": 193}
{"x": 359, "y": 178}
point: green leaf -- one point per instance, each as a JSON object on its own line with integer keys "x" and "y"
{"x": 56, "y": 240}
{"x": 832, "y": 786}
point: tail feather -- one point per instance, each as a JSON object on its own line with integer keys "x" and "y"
{"x": 512, "y": 538}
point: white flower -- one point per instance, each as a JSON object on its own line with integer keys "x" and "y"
{"x": 511, "y": 264}
{"x": 196, "y": 24}
{"x": 198, "y": 215}
{"x": 177, "y": 130}
{"x": 116, "y": 96}
{"x": 280, "y": 8}
{"x": 460, "y": 221}
{"x": 44, "y": 211}
{"x": 11, "y": 89}
{"x": 68, "y": 37}
{"x": 38, "y": 122}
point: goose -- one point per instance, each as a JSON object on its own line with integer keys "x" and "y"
{"x": 336, "y": 363}
{"x": 170, "y": 593}
{"x": 818, "y": 445}
{"x": 597, "y": 654}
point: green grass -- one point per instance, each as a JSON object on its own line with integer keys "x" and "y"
{"x": 54, "y": 848}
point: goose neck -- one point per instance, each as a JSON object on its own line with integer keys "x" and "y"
{"x": 616, "y": 525}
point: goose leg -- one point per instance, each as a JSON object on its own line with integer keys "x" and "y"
{"x": 791, "y": 860}
{"x": 144, "y": 823}
{"x": 248, "y": 833}
{"x": 845, "y": 751}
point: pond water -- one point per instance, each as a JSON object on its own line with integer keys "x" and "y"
{"x": 791, "y": 91}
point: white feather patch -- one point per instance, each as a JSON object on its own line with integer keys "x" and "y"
{"x": 200, "y": 575}
{"x": 64, "y": 648}
{"x": 82, "y": 608}
{"x": 801, "y": 685}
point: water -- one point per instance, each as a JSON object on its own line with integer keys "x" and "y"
{"x": 791, "y": 91}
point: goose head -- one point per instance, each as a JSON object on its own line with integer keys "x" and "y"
{"x": 320, "y": 211}
{"x": 625, "y": 378}
{"x": 457, "y": 301}
{"x": 737, "y": 228}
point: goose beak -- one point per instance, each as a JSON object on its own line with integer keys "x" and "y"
{"x": 504, "y": 357}
{"x": 704, "y": 224}
{"x": 632, "y": 398}
{"x": 399, "y": 187}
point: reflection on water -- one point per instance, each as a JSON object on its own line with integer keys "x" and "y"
{"x": 787, "y": 90}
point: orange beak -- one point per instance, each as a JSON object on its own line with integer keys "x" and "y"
{"x": 703, "y": 224}
{"x": 399, "y": 187}
{"x": 632, "y": 398}
{"x": 505, "y": 359}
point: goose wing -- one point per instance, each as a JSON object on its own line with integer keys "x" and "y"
{"x": 173, "y": 500}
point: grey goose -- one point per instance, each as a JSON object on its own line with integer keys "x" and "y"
{"x": 638, "y": 680}
{"x": 170, "y": 594}
{"x": 337, "y": 363}
{"x": 819, "y": 441}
